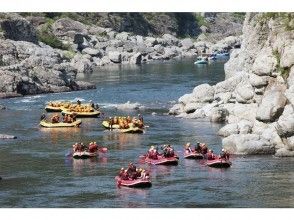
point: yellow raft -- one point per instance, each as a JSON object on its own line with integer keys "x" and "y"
{"x": 128, "y": 130}
{"x": 81, "y": 114}
{"x": 47, "y": 124}
{"x": 50, "y": 108}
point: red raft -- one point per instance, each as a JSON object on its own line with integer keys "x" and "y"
{"x": 219, "y": 163}
{"x": 139, "y": 183}
{"x": 193, "y": 155}
{"x": 161, "y": 160}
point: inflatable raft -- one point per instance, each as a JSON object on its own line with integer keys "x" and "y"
{"x": 49, "y": 108}
{"x": 84, "y": 155}
{"x": 81, "y": 114}
{"x": 218, "y": 163}
{"x": 193, "y": 155}
{"x": 142, "y": 183}
{"x": 129, "y": 130}
{"x": 47, "y": 124}
{"x": 162, "y": 160}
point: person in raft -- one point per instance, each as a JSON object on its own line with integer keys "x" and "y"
{"x": 210, "y": 155}
{"x": 93, "y": 147}
{"x": 55, "y": 119}
{"x": 79, "y": 102}
{"x": 152, "y": 153}
{"x": 131, "y": 171}
{"x": 224, "y": 155}
{"x": 198, "y": 148}
{"x": 140, "y": 117}
{"x": 188, "y": 148}
{"x": 168, "y": 151}
{"x": 204, "y": 148}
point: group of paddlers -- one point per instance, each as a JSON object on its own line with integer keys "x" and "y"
{"x": 78, "y": 107}
{"x": 201, "y": 148}
{"x": 133, "y": 173}
{"x": 167, "y": 151}
{"x": 81, "y": 147}
{"x": 66, "y": 118}
{"x": 126, "y": 122}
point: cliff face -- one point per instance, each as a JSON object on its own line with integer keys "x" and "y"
{"x": 256, "y": 99}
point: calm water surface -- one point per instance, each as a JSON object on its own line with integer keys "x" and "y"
{"x": 36, "y": 172}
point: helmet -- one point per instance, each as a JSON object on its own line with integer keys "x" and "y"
{"x": 223, "y": 150}
{"x": 188, "y": 144}
{"x": 122, "y": 168}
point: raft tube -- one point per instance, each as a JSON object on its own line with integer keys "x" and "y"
{"x": 218, "y": 163}
{"x": 128, "y": 130}
{"x": 81, "y": 114}
{"x": 84, "y": 155}
{"x": 139, "y": 183}
{"x": 193, "y": 155}
{"x": 163, "y": 160}
{"x": 47, "y": 124}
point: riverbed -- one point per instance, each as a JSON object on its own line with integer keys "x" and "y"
{"x": 37, "y": 173}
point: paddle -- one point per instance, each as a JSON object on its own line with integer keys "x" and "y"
{"x": 69, "y": 153}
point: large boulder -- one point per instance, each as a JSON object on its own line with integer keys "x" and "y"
{"x": 186, "y": 43}
{"x": 218, "y": 115}
{"x": 136, "y": 58}
{"x": 93, "y": 52}
{"x": 123, "y": 36}
{"x": 203, "y": 93}
{"x": 289, "y": 93}
{"x": 290, "y": 79}
{"x": 228, "y": 130}
{"x": 258, "y": 81}
{"x": 168, "y": 39}
{"x": 19, "y": 29}
{"x": 272, "y": 106}
{"x": 68, "y": 27}
{"x": 115, "y": 56}
{"x": 287, "y": 56}
{"x": 265, "y": 63}
{"x": 244, "y": 92}
{"x": 247, "y": 144}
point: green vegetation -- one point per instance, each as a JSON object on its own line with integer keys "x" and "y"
{"x": 46, "y": 36}
{"x": 69, "y": 54}
{"x": 283, "y": 70}
{"x": 200, "y": 20}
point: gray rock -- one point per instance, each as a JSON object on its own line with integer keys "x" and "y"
{"x": 289, "y": 93}
{"x": 285, "y": 126}
{"x": 115, "y": 56}
{"x": 19, "y": 29}
{"x": 290, "y": 79}
{"x": 176, "y": 109}
{"x": 170, "y": 40}
{"x": 245, "y": 126}
{"x": 218, "y": 115}
{"x": 258, "y": 81}
{"x": 203, "y": 93}
{"x": 136, "y": 58}
{"x": 92, "y": 52}
{"x": 68, "y": 27}
{"x": 150, "y": 41}
{"x": 247, "y": 144}
{"x": 287, "y": 56}
{"x": 244, "y": 93}
{"x": 2, "y": 107}
{"x": 5, "y": 136}
{"x": 123, "y": 36}
{"x": 283, "y": 152}
{"x": 82, "y": 41}
{"x": 228, "y": 130}
{"x": 192, "y": 107}
{"x": 271, "y": 107}
{"x": 265, "y": 63}
{"x": 186, "y": 43}
{"x": 159, "y": 49}
{"x": 230, "y": 84}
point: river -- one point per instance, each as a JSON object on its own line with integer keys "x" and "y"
{"x": 37, "y": 173}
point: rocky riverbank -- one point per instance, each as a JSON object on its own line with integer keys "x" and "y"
{"x": 42, "y": 55}
{"x": 257, "y": 97}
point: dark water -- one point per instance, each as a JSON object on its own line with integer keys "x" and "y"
{"x": 36, "y": 172}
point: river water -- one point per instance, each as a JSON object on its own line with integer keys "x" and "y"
{"x": 37, "y": 173}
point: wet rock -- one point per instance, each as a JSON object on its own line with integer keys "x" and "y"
{"x": 176, "y": 109}
{"x": 218, "y": 115}
{"x": 115, "y": 56}
{"x": 2, "y": 107}
{"x": 136, "y": 58}
{"x": 5, "y": 136}
{"x": 283, "y": 152}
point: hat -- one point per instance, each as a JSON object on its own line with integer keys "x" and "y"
{"x": 188, "y": 144}
{"x": 223, "y": 150}
{"x": 122, "y": 168}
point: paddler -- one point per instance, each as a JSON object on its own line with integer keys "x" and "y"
{"x": 203, "y": 148}
{"x": 210, "y": 155}
{"x": 224, "y": 155}
{"x": 140, "y": 117}
{"x": 121, "y": 172}
{"x": 92, "y": 147}
{"x": 198, "y": 148}
{"x": 188, "y": 148}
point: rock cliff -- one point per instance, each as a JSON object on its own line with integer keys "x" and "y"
{"x": 256, "y": 99}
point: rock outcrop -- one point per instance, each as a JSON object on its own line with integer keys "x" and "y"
{"x": 6, "y": 136}
{"x": 256, "y": 99}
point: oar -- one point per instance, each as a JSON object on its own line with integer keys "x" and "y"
{"x": 69, "y": 153}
